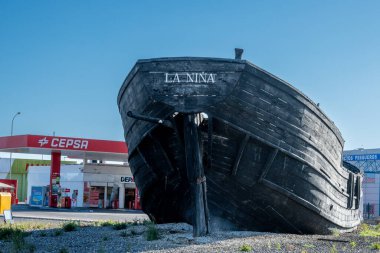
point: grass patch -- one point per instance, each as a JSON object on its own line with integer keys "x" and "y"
{"x": 375, "y": 245}
{"x": 335, "y": 232}
{"x": 27, "y": 226}
{"x": 8, "y": 232}
{"x": 58, "y": 232}
{"x": 147, "y": 222}
{"x": 369, "y": 231}
{"x": 107, "y": 223}
{"x": 277, "y": 246}
{"x": 69, "y": 226}
{"x": 363, "y": 226}
{"x": 245, "y": 248}
{"x": 152, "y": 233}
{"x": 119, "y": 225}
{"x": 17, "y": 237}
{"x": 353, "y": 244}
{"x": 309, "y": 246}
{"x": 144, "y": 222}
{"x": 31, "y": 226}
{"x": 333, "y": 249}
{"x": 19, "y": 244}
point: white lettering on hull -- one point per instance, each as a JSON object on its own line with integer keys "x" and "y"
{"x": 200, "y": 77}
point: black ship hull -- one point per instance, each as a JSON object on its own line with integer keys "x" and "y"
{"x": 271, "y": 160}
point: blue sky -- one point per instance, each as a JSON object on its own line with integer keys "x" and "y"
{"x": 62, "y": 62}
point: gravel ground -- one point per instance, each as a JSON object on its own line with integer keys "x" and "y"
{"x": 178, "y": 238}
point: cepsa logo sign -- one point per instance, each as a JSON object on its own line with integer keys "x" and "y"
{"x": 66, "y": 143}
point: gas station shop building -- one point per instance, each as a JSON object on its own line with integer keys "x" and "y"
{"x": 103, "y": 178}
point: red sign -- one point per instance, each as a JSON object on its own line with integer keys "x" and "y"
{"x": 52, "y": 142}
{"x": 62, "y": 143}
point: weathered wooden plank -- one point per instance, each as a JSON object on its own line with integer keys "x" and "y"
{"x": 240, "y": 154}
{"x": 293, "y": 92}
{"x": 285, "y": 141}
{"x": 292, "y": 114}
{"x": 321, "y": 211}
{"x": 306, "y": 179}
{"x": 268, "y": 163}
{"x": 282, "y": 219}
{"x": 163, "y": 153}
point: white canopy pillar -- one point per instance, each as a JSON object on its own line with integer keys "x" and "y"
{"x": 121, "y": 195}
{"x": 105, "y": 196}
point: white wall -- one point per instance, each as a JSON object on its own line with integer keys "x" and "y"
{"x": 106, "y": 174}
{"x": 102, "y": 168}
{"x": 4, "y": 167}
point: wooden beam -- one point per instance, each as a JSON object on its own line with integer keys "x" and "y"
{"x": 163, "y": 122}
{"x": 142, "y": 157}
{"x": 209, "y": 139}
{"x": 166, "y": 158}
{"x": 240, "y": 154}
{"x": 163, "y": 152}
{"x": 272, "y": 155}
{"x": 196, "y": 176}
{"x": 281, "y": 219}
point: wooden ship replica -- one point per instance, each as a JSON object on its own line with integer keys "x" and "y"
{"x": 223, "y": 144}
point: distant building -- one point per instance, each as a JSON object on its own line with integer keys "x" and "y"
{"x": 103, "y": 179}
{"x": 368, "y": 161}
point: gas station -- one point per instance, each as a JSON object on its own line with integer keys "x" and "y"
{"x": 95, "y": 154}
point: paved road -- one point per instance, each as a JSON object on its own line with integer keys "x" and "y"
{"x": 77, "y": 214}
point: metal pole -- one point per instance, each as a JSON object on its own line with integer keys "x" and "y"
{"x": 368, "y": 206}
{"x": 10, "y": 156}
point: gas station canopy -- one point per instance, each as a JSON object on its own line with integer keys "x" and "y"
{"x": 76, "y": 148}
